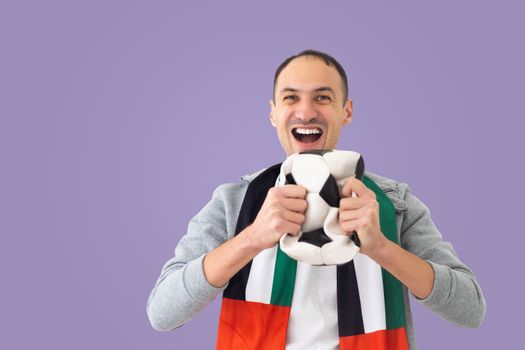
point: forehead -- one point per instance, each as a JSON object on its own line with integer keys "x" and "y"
{"x": 308, "y": 73}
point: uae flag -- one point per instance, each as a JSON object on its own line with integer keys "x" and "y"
{"x": 256, "y": 305}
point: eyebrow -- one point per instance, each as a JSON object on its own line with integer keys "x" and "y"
{"x": 320, "y": 89}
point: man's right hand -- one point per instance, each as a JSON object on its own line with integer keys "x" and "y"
{"x": 282, "y": 212}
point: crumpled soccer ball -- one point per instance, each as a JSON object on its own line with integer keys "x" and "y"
{"x": 323, "y": 173}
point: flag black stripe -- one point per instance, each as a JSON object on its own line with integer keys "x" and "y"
{"x": 349, "y": 313}
{"x": 252, "y": 203}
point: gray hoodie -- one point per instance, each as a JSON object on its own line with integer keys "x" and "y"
{"x": 182, "y": 291}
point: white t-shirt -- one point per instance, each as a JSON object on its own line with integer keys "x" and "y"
{"x": 313, "y": 317}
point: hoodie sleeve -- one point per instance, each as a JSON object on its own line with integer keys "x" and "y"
{"x": 182, "y": 290}
{"x": 456, "y": 295}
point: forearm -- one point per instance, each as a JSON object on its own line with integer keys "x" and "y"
{"x": 456, "y": 295}
{"x": 449, "y": 290}
{"x": 225, "y": 261}
{"x": 181, "y": 294}
{"x": 182, "y": 290}
{"x": 415, "y": 273}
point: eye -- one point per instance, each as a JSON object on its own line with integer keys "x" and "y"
{"x": 290, "y": 98}
{"x": 323, "y": 98}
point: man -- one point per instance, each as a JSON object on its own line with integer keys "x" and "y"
{"x": 309, "y": 107}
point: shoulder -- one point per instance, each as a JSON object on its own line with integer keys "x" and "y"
{"x": 247, "y": 178}
{"x": 394, "y": 189}
{"x": 236, "y": 190}
{"x": 388, "y": 184}
{"x": 401, "y": 196}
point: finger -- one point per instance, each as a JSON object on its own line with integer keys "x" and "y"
{"x": 292, "y": 216}
{"x": 350, "y": 203}
{"x": 349, "y": 215}
{"x": 293, "y": 191}
{"x": 358, "y": 187}
{"x": 292, "y": 228}
{"x": 295, "y": 232}
{"x": 294, "y": 204}
{"x": 351, "y": 226}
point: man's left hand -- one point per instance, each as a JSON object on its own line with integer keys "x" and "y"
{"x": 361, "y": 214}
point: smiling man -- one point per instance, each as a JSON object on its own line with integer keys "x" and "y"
{"x": 310, "y": 104}
{"x": 286, "y": 304}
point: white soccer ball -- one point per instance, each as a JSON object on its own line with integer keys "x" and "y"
{"x": 323, "y": 173}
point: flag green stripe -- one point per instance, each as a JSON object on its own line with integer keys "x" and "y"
{"x": 392, "y": 288}
{"x": 283, "y": 279}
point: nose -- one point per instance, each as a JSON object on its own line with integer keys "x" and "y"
{"x": 306, "y": 110}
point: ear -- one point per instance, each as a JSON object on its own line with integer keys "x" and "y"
{"x": 349, "y": 108}
{"x": 272, "y": 114}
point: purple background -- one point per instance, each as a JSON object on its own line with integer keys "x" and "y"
{"x": 119, "y": 118}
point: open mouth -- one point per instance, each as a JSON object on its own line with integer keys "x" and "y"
{"x": 309, "y": 135}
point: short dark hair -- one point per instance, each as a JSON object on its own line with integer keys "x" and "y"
{"x": 329, "y": 60}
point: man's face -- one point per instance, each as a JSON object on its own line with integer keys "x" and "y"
{"x": 309, "y": 112}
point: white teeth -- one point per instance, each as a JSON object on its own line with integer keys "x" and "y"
{"x": 307, "y": 131}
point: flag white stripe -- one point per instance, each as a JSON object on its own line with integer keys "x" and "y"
{"x": 260, "y": 281}
{"x": 370, "y": 285}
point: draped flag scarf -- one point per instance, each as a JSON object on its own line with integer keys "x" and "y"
{"x": 370, "y": 308}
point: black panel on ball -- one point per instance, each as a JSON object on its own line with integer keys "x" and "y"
{"x": 315, "y": 237}
{"x": 360, "y": 168}
{"x": 330, "y": 192}
{"x": 290, "y": 180}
